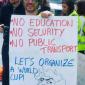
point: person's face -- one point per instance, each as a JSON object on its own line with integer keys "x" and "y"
{"x": 65, "y": 8}
{"x": 30, "y": 5}
{"x": 14, "y": 1}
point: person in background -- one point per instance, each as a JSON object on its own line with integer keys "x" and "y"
{"x": 81, "y": 43}
{"x": 81, "y": 30}
{"x": 12, "y": 7}
{"x": 68, "y": 8}
{"x": 44, "y": 6}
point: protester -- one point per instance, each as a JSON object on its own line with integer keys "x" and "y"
{"x": 32, "y": 6}
{"x": 14, "y": 7}
{"x": 81, "y": 34}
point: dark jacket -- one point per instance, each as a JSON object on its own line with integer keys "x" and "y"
{"x": 8, "y": 10}
{"x": 5, "y": 17}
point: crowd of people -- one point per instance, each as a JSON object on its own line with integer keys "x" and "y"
{"x": 37, "y": 7}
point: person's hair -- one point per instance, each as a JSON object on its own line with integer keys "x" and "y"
{"x": 44, "y": 5}
{"x": 81, "y": 7}
{"x": 70, "y": 5}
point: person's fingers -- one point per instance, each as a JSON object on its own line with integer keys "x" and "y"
{"x": 43, "y": 14}
{"x": 50, "y": 14}
{"x": 46, "y": 14}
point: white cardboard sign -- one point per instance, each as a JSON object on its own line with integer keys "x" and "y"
{"x": 43, "y": 51}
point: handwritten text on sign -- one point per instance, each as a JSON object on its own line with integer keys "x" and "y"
{"x": 43, "y": 49}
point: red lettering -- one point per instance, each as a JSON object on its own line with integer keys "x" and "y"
{"x": 18, "y": 21}
{"x": 59, "y": 49}
{"x": 45, "y": 32}
{"x": 37, "y": 22}
{"x": 51, "y": 22}
{"x": 17, "y": 32}
{"x": 41, "y": 42}
{"x": 32, "y": 22}
{"x": 16, "y": 43}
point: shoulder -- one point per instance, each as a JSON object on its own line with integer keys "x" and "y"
{"x": 74, "y": 13}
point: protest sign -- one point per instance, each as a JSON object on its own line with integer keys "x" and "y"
{"x": 43, "y": 51}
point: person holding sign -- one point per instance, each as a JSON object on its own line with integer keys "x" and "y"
{"x": 14, "y": 7}
{"x": 31, "y": 8}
